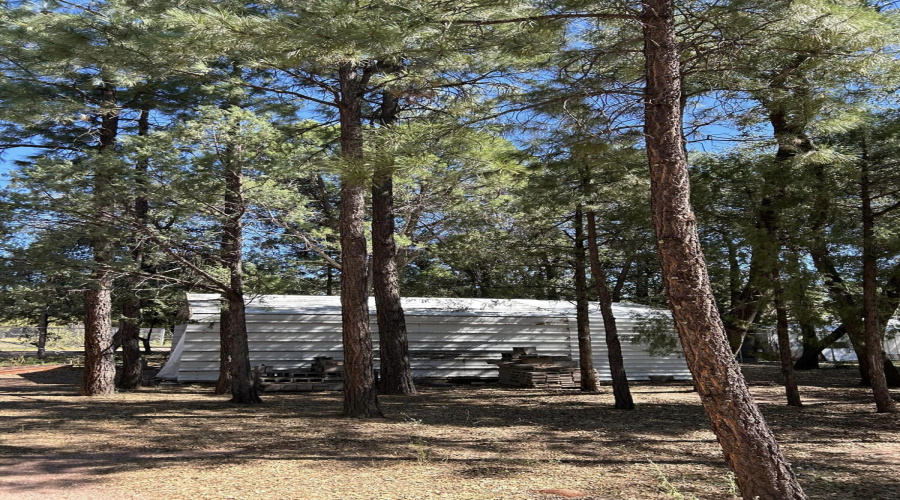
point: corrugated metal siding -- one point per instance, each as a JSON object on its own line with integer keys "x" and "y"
{"x": 447, "y": 337}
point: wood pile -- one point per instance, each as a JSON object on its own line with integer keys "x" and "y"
{"x": 525, "y": 368}
{"x": 326, "y": 374}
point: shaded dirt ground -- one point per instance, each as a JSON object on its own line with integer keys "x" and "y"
{"x": 480, "y": 442}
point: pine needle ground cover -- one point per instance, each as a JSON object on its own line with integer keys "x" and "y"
{"x": 458, "y": 442}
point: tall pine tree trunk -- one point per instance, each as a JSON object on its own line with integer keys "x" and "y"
{"x": 784, "y": 345}
{"x": 621, "y": 391}
{"x": 589, "y": 381}
{"x": 43, "y": 326}
{"x": 98, "y": 378}
{"x": 360, "y": 397}
{"x": 243, "y": 389}
{"x": 749, "y": 446}
{"x": 874, "y": 344}
{"x": 226, "y": 347}
{"x": 130, "y": 330}
{"x": 396, "y": 374}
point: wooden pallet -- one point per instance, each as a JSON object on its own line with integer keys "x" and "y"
{"x": 326, "y": 374}
{"x": 302, "y": 386}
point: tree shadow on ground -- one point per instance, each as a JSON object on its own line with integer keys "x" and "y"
{"x": 481, "y": 432}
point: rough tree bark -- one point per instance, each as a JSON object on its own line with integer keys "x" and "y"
{"x": 130, "y": 328}
{"x": 243, "y": 389}
{"x": 360, "y": 397}
{"x": 873, "y": 340}
{"x": 98, "y": 377}
{"x": 226, "y": 347}
{"x": 396, "y": 373}
{"x": 589, "y": 382}
{"x": 749, "y": 446}
{"x": 621, "y": 390}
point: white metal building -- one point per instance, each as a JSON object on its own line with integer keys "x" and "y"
{"x": 448, "y": 338}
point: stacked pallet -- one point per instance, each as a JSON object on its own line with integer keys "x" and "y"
{"x": 326, "y": 374}
{"x": 327, "y": 364}
{"x": 525, "y": 368}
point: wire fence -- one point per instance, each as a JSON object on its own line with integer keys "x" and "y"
{"x": 65, "y": 338}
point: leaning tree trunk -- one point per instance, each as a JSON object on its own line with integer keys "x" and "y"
{"x": 99, "y": 375}
{"x": 243, "y": 389}
{"x": 749, "y": 446}
{"x": 396, "y": 373}
{"x": 589, "y": 381}
{"x": 360, "y": 397}
{"x": 621, "y": 391}
{"x": 874, "y": 344}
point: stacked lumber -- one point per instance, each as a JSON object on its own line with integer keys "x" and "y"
{"x": 525, "y": 368}
{"x": 326, "y": 374}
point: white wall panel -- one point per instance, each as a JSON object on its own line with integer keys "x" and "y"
{"x": 447, "y": 337}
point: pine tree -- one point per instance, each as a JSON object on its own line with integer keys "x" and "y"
{"x": 750, "y": 448}
{"x": 65, "y": 60}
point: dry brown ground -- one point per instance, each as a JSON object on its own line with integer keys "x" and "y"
{"x": 481, "y": 442}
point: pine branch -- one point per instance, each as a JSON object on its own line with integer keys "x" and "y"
{"x": 546, "y": 17}
{"x": 305, "y": 239}
{"x": 38, "y": 146}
